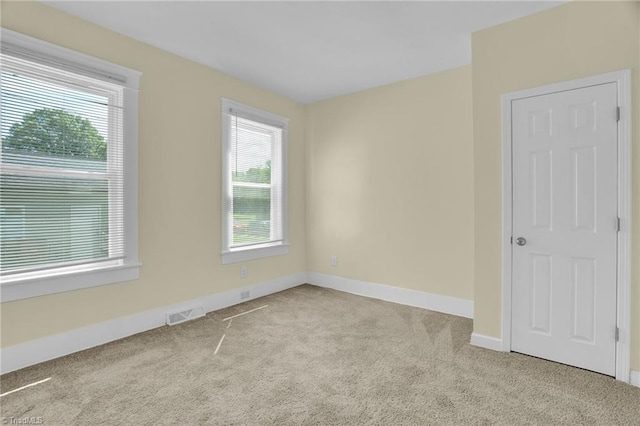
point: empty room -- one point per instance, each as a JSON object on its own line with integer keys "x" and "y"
{"x": 320, "y": 212}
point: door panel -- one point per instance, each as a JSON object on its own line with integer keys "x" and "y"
{"x": 583, "y": 301}
{"x": 565, "y": 206}
{"x": 583, "y": 188}
{"x": 541, "y": 202}
{"x": 541, "y": 293}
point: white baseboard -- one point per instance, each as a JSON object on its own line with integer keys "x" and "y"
{"x": 403, "y": 296}
{"x": 36, "y": 351}
{"x": 486, "y": 342}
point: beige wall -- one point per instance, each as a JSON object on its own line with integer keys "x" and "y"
{"x": 571, "y": 41}
{"x": 179, "y": 170}
{"x": 390, "y": 185}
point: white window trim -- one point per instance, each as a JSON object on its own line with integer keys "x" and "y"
{"x": 258, "y": 251}
{"x": 22, "y": 286}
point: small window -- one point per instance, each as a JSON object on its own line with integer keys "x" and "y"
{"x": 254, "y": 183}
{"x": 67, "y": 129}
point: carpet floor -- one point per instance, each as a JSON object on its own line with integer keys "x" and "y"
{"x": 313, "y": 356}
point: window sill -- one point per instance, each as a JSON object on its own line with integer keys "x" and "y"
{"x": 26, "y": 286}
{"x": 253, "y": 253}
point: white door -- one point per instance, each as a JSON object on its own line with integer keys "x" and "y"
{"x": 565, "y": 227}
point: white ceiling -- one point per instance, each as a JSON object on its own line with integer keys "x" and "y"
{"x": 309, "y": 51}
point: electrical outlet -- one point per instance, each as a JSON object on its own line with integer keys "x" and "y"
{"x": 334, "y": 260}
{"x": 244, "y": 294}
{"x": 243, "y": 272}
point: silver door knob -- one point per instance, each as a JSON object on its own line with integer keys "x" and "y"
{"x": 521, "y": 241}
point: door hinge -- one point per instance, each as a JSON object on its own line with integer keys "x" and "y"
{"x": 617, "y": 334}
{"x": 617, "y": 113}
{"x": 618, "y": 224}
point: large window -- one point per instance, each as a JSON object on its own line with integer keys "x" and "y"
{"x": 254, "y": 183}
{"x": 66, "y": 179}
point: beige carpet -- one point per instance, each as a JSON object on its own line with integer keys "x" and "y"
{"x": 314, "y": 356}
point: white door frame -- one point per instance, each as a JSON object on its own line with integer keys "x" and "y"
{"x": 623, "y": 80}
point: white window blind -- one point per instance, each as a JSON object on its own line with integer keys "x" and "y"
{"x": 61, "y": 168}
{"x": 255, "y": 190}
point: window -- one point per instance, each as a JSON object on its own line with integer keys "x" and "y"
{"x": 68, "y": 184}
{"x": 254, "y": 183}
